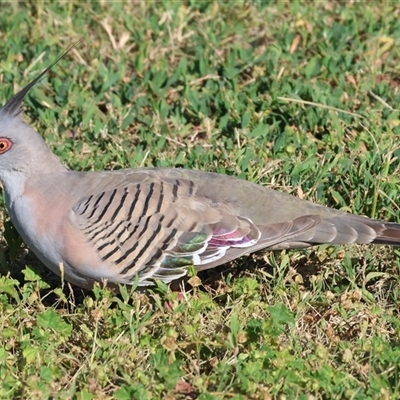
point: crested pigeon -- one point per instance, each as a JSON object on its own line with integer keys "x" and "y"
{"x": 152, "y": 223}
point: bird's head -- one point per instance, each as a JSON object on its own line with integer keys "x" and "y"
{"x": 21, "y": 147}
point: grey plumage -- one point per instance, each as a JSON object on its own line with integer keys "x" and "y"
{"x": 153, "y": 223}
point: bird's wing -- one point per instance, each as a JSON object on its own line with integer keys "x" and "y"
{"x": 155, "y": 229}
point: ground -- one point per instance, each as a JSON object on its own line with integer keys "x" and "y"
{"x": 302, "y": 98}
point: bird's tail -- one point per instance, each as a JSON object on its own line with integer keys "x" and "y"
{"x": 346, "y": 229}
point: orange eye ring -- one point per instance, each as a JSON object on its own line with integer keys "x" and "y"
{"x": 5, "y": 145}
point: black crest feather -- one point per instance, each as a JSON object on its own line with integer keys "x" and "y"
{"x": 13, "y": 106}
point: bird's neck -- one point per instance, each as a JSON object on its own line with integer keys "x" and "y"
{"x": 15, "y": 181}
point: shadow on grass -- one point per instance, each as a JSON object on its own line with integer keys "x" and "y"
{"x": 213, "y": 280}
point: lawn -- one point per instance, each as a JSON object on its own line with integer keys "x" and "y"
{"x": 302, "y": 98}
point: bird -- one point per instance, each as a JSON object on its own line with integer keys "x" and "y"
{"x": 146, "y": 224}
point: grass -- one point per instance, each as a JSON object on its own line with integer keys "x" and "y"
{"x": 302, "y": 98}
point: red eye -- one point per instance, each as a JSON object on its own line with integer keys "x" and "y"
{"x": 5, "y": 145}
